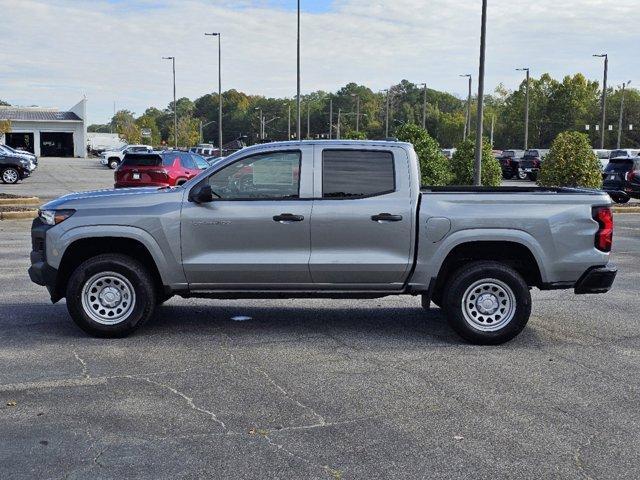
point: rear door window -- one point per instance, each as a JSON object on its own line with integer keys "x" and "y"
{"x": 187, "y": 161}
{"x": 357, "y": 173}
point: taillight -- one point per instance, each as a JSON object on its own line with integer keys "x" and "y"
{"x": 604, "y": 235}
{"x": 158, "y": 172}
{"x": 629, "y": 176}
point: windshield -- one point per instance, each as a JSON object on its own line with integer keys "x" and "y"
{"x": 618, "y": 166}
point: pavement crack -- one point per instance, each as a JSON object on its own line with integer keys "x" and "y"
{"x": 83, "y": 364}
{"x": 184, "y": 396}
{"x": 577, "y": 456}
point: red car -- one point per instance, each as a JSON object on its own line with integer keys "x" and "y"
{"x": 158, "y": 169}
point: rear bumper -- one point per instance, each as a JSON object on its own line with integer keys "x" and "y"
{"x": 596, "y": 280}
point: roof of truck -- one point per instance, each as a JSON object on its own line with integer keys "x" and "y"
{"x": 377, "y": 143}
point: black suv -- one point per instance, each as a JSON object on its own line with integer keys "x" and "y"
{"x": 622, "y": 174}
{"x": 13, "y": 167}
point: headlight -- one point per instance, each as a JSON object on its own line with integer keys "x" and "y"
{"x": 24, "y": 162}
{"x": 54, "y": 217}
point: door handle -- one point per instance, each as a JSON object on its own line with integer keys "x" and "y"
{"x": 287, "y": 218}
{"x": 386, "y": 217}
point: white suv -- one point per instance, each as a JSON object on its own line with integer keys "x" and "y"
{"x": 112, "y": 158}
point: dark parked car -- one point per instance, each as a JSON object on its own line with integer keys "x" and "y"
{"x": 13, "y": 167}
{"x": 531, "y": 162}
{"x": 510, "y": 163}
{"x": 158, "y": 169}
{"x": 622, "y": 174}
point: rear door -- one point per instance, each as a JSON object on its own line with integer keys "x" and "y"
{"x": 361, "y": 224}
{"x": 256, "y": 235}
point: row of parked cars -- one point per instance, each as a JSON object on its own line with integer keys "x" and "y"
{"x": 16, "y": 165}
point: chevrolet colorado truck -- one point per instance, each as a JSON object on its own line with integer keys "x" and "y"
{"x": 331, "y": 219}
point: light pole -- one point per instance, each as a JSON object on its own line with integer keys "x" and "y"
{"x": 175, "y": 110}
{"x": 467, "y": 123}
{"x": 477, "y": 170}
{"x": 386, "y": 114}
{"x": 289, "y": 121}
{"x": 298, "y": 130}
{"x": 219, "y": 35}
{"x": 621, "y": 111}
{"x": 604, "y": 96}
{"x": 338, "y": 126}
{"x": 493, "y": 124}
{"x": 357, "y": 111}
{"x": 526, "y": 108}
{"x": 330, "y": 118}
{"x": 261, "y": 135}
{"x": 424, "y": 107}
{"x": 308, "y": 120}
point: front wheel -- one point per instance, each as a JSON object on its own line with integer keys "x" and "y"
{"x": 110, "y": 295}
{"x": 522, "y": 175}
{"x": 487, "y": 303}
{"x": 113, "y": 164}
{"x": 10, "y": 175}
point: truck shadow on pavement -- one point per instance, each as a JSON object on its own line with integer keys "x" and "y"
{"x": 251, "y": 324}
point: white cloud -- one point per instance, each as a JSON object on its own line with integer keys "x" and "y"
{"x": 57, "y": 50}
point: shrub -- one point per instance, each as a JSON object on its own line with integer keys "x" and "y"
{"x": 434, "y": 166}
{"x": 571, "y": 163}
{"x": 463, "y": 160}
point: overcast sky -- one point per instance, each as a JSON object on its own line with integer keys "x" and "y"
{"x": 55, "y": 51}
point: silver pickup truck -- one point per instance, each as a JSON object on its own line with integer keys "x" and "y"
{"x": 329, "y": 219}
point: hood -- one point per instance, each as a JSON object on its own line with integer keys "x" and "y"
{"x": 108, "y": 197}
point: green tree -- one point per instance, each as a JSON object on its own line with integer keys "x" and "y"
{"x": 188, "y": 132}
{"x": 434, "y": 166}
{"x": 463, "y": 161}
{"x": 571, "y": 163}
{"x": 4, "y": 104}
{"x": 5, "y": 126}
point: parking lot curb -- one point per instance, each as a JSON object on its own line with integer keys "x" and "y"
{"x": 18, "y": 215}
{"x": 19, "y": 201}
{"x": 626, "y": 209}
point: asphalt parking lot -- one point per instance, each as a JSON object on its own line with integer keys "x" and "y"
{"x": 319, "y": 388}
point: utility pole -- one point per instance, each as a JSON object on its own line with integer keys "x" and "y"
{"x": 386, "y": 121}
{"x": 219, "y": 35}
{"x": 298, "y": 130}
{"x": 330, "y": 118}
{"x": 261, "y": 134}
{"x": 338, "y": 126}
{"x": 357, "y": 111}
{"x": 467, "y": 122}
{"x": 526, "y": 109}
{"x": 289, "y": 123}
{"x": 604, "y": 97}
{"x": 114, "y": 115}
{"x": 477, "y": 178}
{"x": 175, "y": 109}
{"x": 621, "y": 112}
{"x": 308, "y": 120}
{"x": 424, "y": 107}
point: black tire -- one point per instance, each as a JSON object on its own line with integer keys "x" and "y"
{"x": 533, "y": 176}
{"x": 521, "y": 175}
{"x": 623, "y": 199}
{"x": 123, "y": 269}
{"x": 10, "y": 175}
{"x": 113, "y": 163}
{"x": 497, "y": 282}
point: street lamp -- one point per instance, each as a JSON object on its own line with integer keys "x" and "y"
{"x": 330, "y": 117}
{"x": 219, "y": 35}
{"x": 175, "y": 109}
{"x": 477, "y": 170}
{"x": 424, "y": 107}
{"x": 386, "y": 114}
{"x": 298, "y": 130}
{"x": 261, "y": 122}
{"x": 202, "y": 125}
{"x": 604, "y": 96}
{"x": 357, "y": 111}
{"x": 288, "y": 121}
{"x": 467, "y": 122}
{"x": 621, "y": 110}
{"x": 526, "y": 108}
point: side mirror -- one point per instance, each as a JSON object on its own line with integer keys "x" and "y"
{"x": 201, "y": 194}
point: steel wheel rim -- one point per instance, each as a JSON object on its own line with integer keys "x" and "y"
{"x": 108, "y": 298}
{"x": 10, "y": 175}
{"x": 488, "y": 305}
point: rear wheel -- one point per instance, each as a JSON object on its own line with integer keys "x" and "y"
{"x": 110, "y": 295}
{"x": 522, "y": 175}
{"x": 10, "y": 175}
{"x": 487, "y": 303}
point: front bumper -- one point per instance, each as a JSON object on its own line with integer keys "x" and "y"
{"x": 40, "y": 272}
{"x": 596, "y": 280}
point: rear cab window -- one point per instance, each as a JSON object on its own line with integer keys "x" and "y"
{"x": 349, "y": 174}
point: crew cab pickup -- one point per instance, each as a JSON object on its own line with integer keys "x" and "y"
{"x": 336, "y": 219}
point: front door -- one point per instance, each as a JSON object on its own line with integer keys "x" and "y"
{"x": 256, "y": 234}
{"x": 362, "y": 221}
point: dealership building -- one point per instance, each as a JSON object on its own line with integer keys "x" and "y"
{"x": 47, "y": 132}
